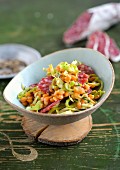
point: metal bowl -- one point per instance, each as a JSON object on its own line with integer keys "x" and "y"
{"x": 18, "y": 52}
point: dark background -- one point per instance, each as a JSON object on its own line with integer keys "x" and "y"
{"x": 40, "y": 24}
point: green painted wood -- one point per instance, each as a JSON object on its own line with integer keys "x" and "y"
{"x": 41, "y": 24}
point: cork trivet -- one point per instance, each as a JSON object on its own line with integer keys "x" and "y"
{"x": 60, "y": 135}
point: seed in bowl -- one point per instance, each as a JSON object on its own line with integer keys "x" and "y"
{"x": 67, "y": 88}
{"x": 11, "y": 66}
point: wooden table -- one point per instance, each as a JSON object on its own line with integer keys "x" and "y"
{"x": 41, "y": 24}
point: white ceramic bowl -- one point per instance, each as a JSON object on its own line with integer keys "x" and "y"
{"x": 33, "y": 73}
{"x": 18, "y": 51}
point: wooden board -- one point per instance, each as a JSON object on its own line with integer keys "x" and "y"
{"x": 59, "y": 135}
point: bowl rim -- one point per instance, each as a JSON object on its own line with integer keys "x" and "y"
{"x": 22, "y": 110}
{"x": 33, "y": 50}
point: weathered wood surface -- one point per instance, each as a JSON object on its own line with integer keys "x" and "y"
{"x": 40, "y": 24}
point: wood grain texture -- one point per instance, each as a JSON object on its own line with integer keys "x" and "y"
{"x": 60, "y": 135}
{"x": 41, "y": 24}
{"x": 32, "y": 128}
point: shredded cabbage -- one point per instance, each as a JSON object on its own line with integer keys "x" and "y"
{"x": 66, "y": 88}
